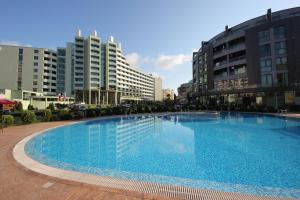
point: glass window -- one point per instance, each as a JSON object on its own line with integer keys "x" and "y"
{"x": 265, "y": 50}
{"x": 34, "y": 82}
{"x": 36, "y": 64}
{"x": 281, "y": 63}
{"x": 36, "y": 51}
{"x": 36, "y": 57}
{"x": 280, "y": 47}
{"x": 266, "y": 65}
{"x": 282, "y": 79}
{"x": 266, "y": 80}
{"x": 20, "y": 51}
{"x": 35, "y": 76}
{"x": 35, "y": 70}
{"x": 279, "y": 32}
{"x": 263, "y": 35}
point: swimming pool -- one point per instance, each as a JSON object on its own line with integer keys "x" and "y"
{"x": 234, "y": 152}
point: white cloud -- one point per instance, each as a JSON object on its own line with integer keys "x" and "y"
{"x": 166, "y": 62}
{"x": 136, "y": 60}
{"x": 171, "y": 61}
{"x": 14, "y": 43}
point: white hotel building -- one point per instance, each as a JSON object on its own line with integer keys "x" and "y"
{"x": 93, "y": 71}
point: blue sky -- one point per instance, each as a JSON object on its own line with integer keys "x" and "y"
{"x": 158, "y": 36}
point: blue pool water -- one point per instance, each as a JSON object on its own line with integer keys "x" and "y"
{"x": 246, "y": 153}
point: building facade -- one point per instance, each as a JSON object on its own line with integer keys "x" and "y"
{"x": 168, "y": 94}
{"x": 255, "y": 62}
{"x": 92, "y": 71}
{"x": 28, "y": 68}
{"x": 102, "y": 75}
{"x": 184, "y": 92}
{"x": 158, "y": 92}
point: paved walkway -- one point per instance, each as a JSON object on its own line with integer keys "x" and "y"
{"x": 17, "y": 183}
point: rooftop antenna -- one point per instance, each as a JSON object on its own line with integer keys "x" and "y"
{"x": 111, "y": 39}
{"x": 78, "y": 34}
{"x": 269, "y": 15}
{"x": 95, "y": 33}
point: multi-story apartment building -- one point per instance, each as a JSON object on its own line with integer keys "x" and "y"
{"x": 256, "y": 61}
{"x": 158, "y": 96}
{"x": 28, "y": 68}
{"x": 101, "y": 73}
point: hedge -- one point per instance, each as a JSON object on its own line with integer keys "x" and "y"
{"x": 8, "y": 119}
{"x": 28, "y": 117}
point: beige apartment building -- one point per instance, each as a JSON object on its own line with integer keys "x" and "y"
{"x": 158, "y": 96}
{"x": 28, "y": 68}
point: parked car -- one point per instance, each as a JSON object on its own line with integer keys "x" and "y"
{"x": 78, "y": 107}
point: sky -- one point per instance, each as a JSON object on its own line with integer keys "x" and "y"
{"x": 157, "y": 36}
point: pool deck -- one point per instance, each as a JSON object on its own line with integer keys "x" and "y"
{"x": 18, "y": 182}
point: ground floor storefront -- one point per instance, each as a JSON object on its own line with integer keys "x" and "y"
{"x": 269, "y": 98}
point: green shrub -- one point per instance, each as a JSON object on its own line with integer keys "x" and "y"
{"x": 90, "y": 112}
{"x": 79, "y": 114}
{"x": 28, "y": 117}
{"x": 51, "y": 107}
{"x": 65, "y": 115}
{"x": 47, "y": 115}
{"x": 8, "y": 119}
{"x": 148, "y": 109}
{"x": 30, "y": 107}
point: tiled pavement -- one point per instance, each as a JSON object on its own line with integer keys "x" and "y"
{"x": 16, "y": 182}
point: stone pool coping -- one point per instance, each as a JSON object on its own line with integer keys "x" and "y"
{"x": 131, "y": 185}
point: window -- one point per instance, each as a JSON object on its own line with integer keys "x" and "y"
{"x": 35, "y": 83}
{"x": 35, "y": 64}
{"x": 35, "y": 76}
{"x": 280, "y": 47}
{"x": 36, "y": 57}
{"x": 34, "y": 89}
{"x": 20, "y": 51}
{"x": 281, "y": 63}
{"x": 263, "y": 35}
{"x": 265, "y": 50}
{"x": 282, "y": 79}
{"x": 36, "y": 51}
{"x": 266, "y": 65}
{"x": 266, "y": 80}
{"x": 279, "y": 32}
{"x": 35, "y": 70}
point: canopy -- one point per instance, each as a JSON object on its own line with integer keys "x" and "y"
{"x": 6, "y": 101}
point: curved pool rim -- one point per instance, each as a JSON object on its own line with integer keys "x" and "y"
{"x": 23, "y": 159}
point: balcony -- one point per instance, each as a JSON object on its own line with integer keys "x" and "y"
{"x": 220, "y": 65}
{"x": 220, "y": 53}
{"x": 237, "y": 47}
{"x": 238, "y": 60}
